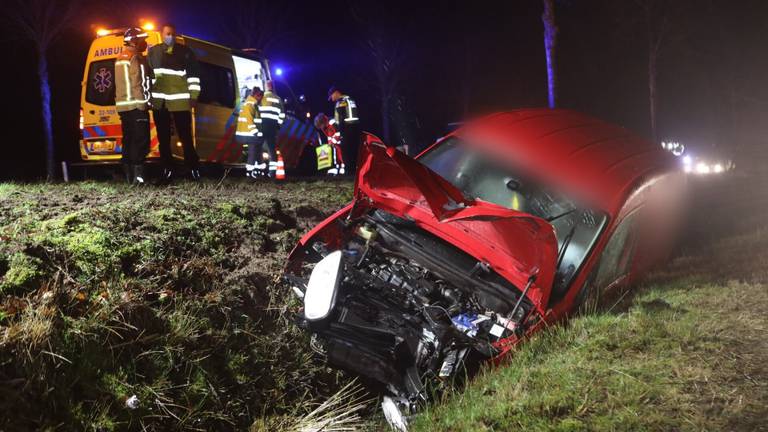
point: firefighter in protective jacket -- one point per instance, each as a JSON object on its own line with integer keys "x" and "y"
{"x": 272, "y": 117}
{"x": 132, "y": 103}
{"x": 249, "y": 132}
{"x": 348, "y": 123}
{"x": 175, "y": 88}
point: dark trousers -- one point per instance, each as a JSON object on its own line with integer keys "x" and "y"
{"x": 270, "y": 128}
{"x": 135, "y": 124}
{"x": 254, "y": 147}
{"x": 350, "y": 145}
{"x": 182, "y": 120}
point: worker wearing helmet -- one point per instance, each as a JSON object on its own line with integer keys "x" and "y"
{"x": 249, "y": 132}
{"x": 175, "y": 88}
{"x": 272, "y": 117}
{"x": 132, "y": 102}
{"x": 348, "y": 123}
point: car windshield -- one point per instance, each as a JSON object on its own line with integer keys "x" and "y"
{"x": 479, "y": 175}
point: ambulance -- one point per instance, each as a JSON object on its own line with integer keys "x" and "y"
{"x": 224, "y": 75}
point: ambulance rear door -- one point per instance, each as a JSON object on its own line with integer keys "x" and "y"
{"x": 101, "y": 138}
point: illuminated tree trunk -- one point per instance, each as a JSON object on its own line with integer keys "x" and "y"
{"x": 550, "y": 45}
{"x": 41, "y": 22}
{"x": 45, "y": 98}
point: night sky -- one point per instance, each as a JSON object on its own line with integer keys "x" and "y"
{"x": 459, "y": 59}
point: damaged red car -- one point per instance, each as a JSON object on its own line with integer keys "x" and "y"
{"x": 449, "y": 259}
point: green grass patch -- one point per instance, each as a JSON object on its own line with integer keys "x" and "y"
{"x": 166, "y": 294}
{"x": 635, "y": 370}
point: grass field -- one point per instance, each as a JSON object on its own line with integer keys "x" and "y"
{"x": 170, "y": 296}
{"x": 173, "y": 296}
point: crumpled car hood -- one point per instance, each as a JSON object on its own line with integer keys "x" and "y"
{"x": 516, "y": 245}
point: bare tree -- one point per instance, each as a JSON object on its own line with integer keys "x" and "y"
{"x": 388, "y": 60}
{"x": 660, "y": 26}
{"x": 657, "y": 25}
{"x": 257, "y": 24}
{"x": 41, "y": 22}
{"x": 550, "y": 48}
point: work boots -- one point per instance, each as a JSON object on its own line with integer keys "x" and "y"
{"x": 128, "y": 172}
{"x": 138, "y": 175}
{"x": 166, "y": 177}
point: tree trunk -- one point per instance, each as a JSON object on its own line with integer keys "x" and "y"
{"x": 45, "y": 97}
{"x": 652, "y": 73}
{"x": 550, "y": 45}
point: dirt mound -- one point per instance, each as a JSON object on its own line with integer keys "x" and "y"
{"x": 124, "y": 308}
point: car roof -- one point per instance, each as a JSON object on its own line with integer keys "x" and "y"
{"x": 598, "y": 161}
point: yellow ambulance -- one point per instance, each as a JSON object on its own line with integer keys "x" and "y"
{"x": 224, "y": 74}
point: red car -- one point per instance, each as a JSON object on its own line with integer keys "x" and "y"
{"x": 506, "y": 225}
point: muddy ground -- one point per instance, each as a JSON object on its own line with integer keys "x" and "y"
{"x": 155, "y": 308}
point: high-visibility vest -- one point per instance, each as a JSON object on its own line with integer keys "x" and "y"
{"x": 324, "y": 156}
{"x": 249, "y": 122}
{"x": 345, "y": 111}
{"x": 271, "y": 108}
{"x": 176, "y": 77}
{"x": 131, "y": 82}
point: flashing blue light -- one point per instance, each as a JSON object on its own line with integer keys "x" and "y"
{"x": 279, "y": 71}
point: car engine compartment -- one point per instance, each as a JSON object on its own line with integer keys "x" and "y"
{"x": 403, "y": 309}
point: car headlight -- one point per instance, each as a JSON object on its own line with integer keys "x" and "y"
{"x": 323, "y": 284}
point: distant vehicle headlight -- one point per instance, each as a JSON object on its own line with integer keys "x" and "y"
{"x": 321, "y": 289}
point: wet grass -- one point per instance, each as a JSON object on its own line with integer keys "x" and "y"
{"x": 155, "y": 309}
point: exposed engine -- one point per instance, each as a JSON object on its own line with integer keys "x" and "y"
{"x": 404, "y": 309}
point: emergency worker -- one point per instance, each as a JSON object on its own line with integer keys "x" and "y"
{"x": 176, "y": 86}
{"x": 249, "y": 132}
{"x": 132, "y": 103}
{"x": 348, "y": 123}
{"x": 329, "y": 154}
{"x": 272, "y": 117}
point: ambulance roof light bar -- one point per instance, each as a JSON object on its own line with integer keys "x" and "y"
{"x": 145, "y": 25}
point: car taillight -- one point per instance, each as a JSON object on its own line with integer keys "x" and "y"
{"x": 82, "y": 121}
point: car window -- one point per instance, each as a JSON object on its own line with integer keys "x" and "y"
{"x": 616, "y": 258}
{"x": 479, "y": 175}
{"x": 100, "y": 84}
{"x": 217, "y": 85}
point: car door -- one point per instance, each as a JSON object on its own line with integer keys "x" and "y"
{"x": 615, "y": 264}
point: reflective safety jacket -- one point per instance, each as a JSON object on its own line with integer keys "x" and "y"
{"x": 332, "y": 134}
{"x": 271, "y": 108}
{"x": 176, "y": 77}
{"x": 131, "y": 82}
{"x": 345, "y": 112}
{"x": 329, "y": 154}
{"x": 249, "y": 121}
